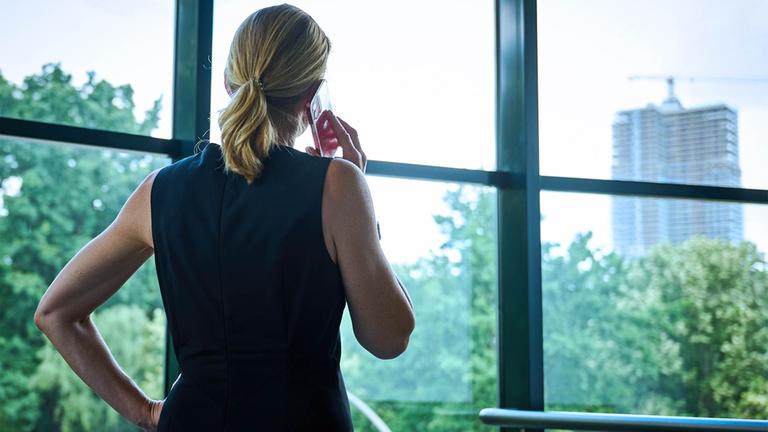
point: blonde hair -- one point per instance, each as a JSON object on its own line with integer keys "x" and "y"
{"x": 285, "y": 49}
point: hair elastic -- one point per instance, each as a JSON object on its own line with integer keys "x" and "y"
{"x": 258, "y": 83}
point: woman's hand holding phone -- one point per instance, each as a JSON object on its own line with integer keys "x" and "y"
{"x": 334, "y": 128}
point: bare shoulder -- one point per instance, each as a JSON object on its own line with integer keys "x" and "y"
{"x": 348, "y": 213}
{"x": 146, "y": 184}
{"x": 344, "y": 180}
{"x": 137, "y": 210}
{"x": 342, "y": 169}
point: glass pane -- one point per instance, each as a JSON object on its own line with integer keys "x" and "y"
{"x": 53, "y": 200}
{"x": 655, "y": 306}
{"x": 607, "y": 109}
{"x": 425, "y": 66}
{"x": 60, "y": 59}
{"x": 441, "y": 240}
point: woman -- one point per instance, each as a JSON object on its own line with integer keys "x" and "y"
{"x": 258, "y": 247}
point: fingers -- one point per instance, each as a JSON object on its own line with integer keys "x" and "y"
{"x": 311, "y": 150}
{"x": 338, "y": 129}
{"x": 350, "y": 151}
{"x": 355, "y": 140}
{"x": 352, "y": 132}
{"x": 322, "y": 128}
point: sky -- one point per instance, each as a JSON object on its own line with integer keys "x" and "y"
{"x": 588, "y": 49}
{"x": 416, "y": 79}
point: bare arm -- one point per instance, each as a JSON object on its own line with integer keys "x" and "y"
{"x": 91, "y": 277}
{"x": 405, "y": 292}
{"x": 381, "y": 311}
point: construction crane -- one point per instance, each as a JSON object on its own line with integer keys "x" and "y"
{"x": 671, "y": 81}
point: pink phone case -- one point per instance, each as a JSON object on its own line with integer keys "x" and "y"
{"x": 320, "y": 102}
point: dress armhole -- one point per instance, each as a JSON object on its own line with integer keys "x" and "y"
{"x": 328, "y": 243}
{"x": 154, "y": 213}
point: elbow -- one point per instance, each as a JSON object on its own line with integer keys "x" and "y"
{"x": 40, "y": 319}
{"x": 398, "y": 343}
{"x": 392, "y": 350}
{"x": 42, "y": 314}
{"x": 43, "y": 318}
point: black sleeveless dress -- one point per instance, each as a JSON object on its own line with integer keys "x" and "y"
{"x": 252, "y": 297}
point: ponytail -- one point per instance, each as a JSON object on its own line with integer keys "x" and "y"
{"x": 247, "y": 131}
{"x": 283, "y": 48}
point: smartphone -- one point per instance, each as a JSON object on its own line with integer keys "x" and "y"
{"x": 320, "y": 102}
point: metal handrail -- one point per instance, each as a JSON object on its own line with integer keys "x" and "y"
{"x": 614, "y": 422}
{"x": 368, "y": 412}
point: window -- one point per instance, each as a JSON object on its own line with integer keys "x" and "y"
{"x": 414, "y": 96}
{"x": 643, "y": 283}
{"x": 652, "y": 300}
{"x": 587, "y": 52}
{"x": 79, "y": 53}
{"x": 654, "y": 306}
{"x": 441, "y": 240}
{"x": 53, "y": 200}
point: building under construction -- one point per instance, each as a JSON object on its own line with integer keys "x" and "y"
{"x": 669, "y": 143}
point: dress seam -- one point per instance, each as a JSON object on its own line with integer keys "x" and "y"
{"x": 223, "y": 311}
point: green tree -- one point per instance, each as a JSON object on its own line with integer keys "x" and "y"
{"x": 600, "y": 341}
{"x": 681, "y": 331}
{"x": 714, "y": 311}
{"x": 137, "y": 344}
{"x": 448, "y": 372}
{"x": 55, "y": 199}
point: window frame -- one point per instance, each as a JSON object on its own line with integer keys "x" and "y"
{"x": 521, "y": 374}
{"x": 516, "y": 179}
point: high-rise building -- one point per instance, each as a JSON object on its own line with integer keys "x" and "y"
{"x": 672, "y": 144}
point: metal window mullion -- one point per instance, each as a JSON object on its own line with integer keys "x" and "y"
{"x": 192, "y": 73}
{"x": 654, "y": 190}
{"x": 74, "y": 135}
{"x": 438, "y": 173}
{"x": 521, "y": 382}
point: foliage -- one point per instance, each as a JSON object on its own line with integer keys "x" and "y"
{"x": 714, "y": 314}
{"x": 137, "y": 344}
{"x": 50, "y": 96}
{"x": 681, "y": 331}
{"x": 55, "y": 198}
{"x": 600, "y": 353}
{"x": 448, "y": 372}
